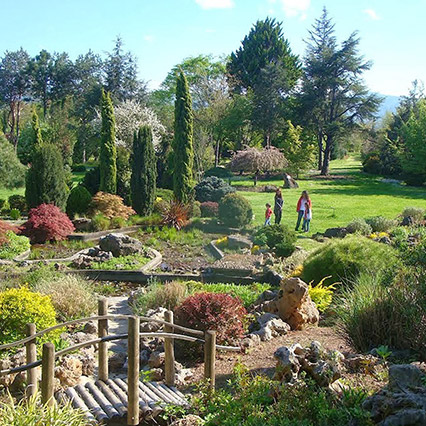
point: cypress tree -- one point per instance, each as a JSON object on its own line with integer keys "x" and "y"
{"x": 144, "y": 172}
{"x": 108, "y": 154}
{"x": 46, "y": 178}
{"x": 183, "y": 152}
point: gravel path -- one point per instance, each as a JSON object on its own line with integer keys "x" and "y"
{"x": 117, "y": 305}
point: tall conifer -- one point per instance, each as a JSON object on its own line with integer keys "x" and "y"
{"x": 108, "y": 154}
{"x": 144, "y": 172}
{"x": 183, "y": 151}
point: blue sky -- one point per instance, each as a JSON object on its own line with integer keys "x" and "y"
{"x": 163, "y": 32}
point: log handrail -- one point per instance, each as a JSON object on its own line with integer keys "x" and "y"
{"x": 110, "y": 338}
{"x": 98, "y": 317}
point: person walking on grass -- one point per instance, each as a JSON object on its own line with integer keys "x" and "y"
{"x": 307, "y": 216}
{"x": 268, "y": 214}
{"x": 304, "y": 198}
{"x": 278, "y": 206}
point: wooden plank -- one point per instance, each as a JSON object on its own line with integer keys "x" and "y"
{"x": 102, "y": 401}
{"x": 164, "y": 397}
{"x": 172, "y": 392}
{"x": 78, "y": 402}
{"x": 112, "y": 397}
{"x": 94, "y": 407}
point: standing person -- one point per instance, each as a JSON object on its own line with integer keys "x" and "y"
{"x": 304, "y": 198}
{"x": 268, "y": 214}
{"x": 307, "y": 216}
{"x": 278, "y": 206}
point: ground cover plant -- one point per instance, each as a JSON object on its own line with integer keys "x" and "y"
{"x": 128, "y": 263}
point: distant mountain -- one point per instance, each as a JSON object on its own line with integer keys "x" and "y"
{"x": 389, "y": 104}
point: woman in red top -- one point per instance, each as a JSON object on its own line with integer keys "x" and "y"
{"x": 304, "y": 198}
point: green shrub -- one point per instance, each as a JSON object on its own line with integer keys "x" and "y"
{"x": 209, "y": 209}
{"x": 380, "y": 223}
{"x": 32, "y": 413}
{"x": 220, "y": 172}
{"x": 416, "y": 213}
{"x": 359, "y": 226}
{"x": 15, "y": 246}
{"x": 72, "y": 297}
{"x": 128, "y": 263}
{"x": 195, "y": 209}
{"x": 78, "y": 168}
{"x": 15, "y": 214}
{"x": 100, "y": 223}
{"x": 279, "y": 238}
{"x": 235, "y": 211}
{"x": 92, "y": 180}
{"x": 248, "y": 294}
{"x": 373, "y": 314}
{"x": 168, "y": 295}
{"x": 20, "y": 306}
{"x": 256, "y": 400}
{"x": 18, "y": 202}
{"x": 372, "y": 164}
{"x": 2, "y": 203}
{"x": 212, "y": 189}
{"x": 78, "y": 201}
{"x": 118, "y": 222}
{"x": 164, "y": 194}
{"x": 344, "y": 259}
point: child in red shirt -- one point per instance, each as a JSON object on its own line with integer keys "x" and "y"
{"x": 268, "y": 214}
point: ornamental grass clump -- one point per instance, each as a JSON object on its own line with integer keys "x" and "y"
{"x": 72, "y": 297}
{"x": 213, "y": 311}
{"x": 174, "y": 214}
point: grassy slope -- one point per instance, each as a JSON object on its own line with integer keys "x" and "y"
{"x": 335, "y": 202}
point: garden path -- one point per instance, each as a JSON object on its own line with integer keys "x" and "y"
{"x": 117, "y": 305}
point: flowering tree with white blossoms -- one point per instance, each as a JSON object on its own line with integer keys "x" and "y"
{"x": 130, "y": 116}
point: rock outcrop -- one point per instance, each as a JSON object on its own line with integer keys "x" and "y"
{"x": 120, "y": 245}
{"x": 322, "y": 366}
{"x": 403, "y": 401}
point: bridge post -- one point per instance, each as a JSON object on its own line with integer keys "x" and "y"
{"x": 103, "y": 346}
{"x": 31, "y": 350}
{"x": 169, "y": 361}
{"x": 210, "y": 357}
{"x": 133, "y": 371}
{"x": 47, "y": 374}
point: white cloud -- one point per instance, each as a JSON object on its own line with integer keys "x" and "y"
{"x": 215, "y": 4}
{"x": 295, "y": 7}
{"x": 372, "y": 14}
{"x": 148, "y": 37}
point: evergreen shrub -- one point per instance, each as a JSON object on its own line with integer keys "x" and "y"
{"x": 18, "y": 202}
{"x": 212, "y": 189}
{"x": 380, "y": 223}
{"x": 279, "y": 238}
{"x": 78, "y": 201}
{"x": 235, "y": 211}
{"x": 92, "y": 180}
{"x": 359, "y": 226}
{"x": 344, "y": 259}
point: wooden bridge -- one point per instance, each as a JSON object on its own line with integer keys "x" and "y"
{"x": 108, "y": 398}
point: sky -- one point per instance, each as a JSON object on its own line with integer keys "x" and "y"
{"x": 161, "y": 33}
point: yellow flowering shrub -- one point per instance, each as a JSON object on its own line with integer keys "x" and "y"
{"x": 322, "y": 295}
{"x": 297, "y": 272}
{"x": 222, "y": 242}
{"x": 20, "y": 306}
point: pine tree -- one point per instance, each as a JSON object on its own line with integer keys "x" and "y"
{"x": 183, "y": 152}
{"x": 144, "y": 172}
{"x": 46, "y": 178}
{"x": 108, "y": 154}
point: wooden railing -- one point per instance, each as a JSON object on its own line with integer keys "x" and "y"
{"x": 47, "y": 362}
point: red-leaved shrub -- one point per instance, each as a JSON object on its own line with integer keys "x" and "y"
{"x": 209, "y": 209}
{"x": 47, "y": 223}
{"x": 213, "y": 311}
{"x": 4, "y": 228}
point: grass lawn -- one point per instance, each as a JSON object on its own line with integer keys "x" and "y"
{"x": 6, "y": 193}
{"x": 348, "y": 194}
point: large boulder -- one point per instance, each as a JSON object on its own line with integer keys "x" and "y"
{"x": 403, "y": 402}
{"x": 289, "y": 182}
{"x": 270, "y": 326}
{"x": 294, "y": 304}
{"x": 336, "y": 233}
{"x": 120, "y": 245}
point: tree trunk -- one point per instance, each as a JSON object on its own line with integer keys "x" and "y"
{"x": 216, "y": 153}
{"x": 326, "y": 159}
{"x": 267, "y": 140}
{"x": 320, "y": 151}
